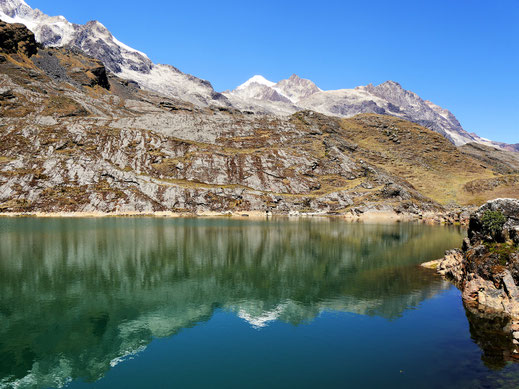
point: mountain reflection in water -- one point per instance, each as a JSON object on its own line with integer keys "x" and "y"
{"x": 78, "y": 295}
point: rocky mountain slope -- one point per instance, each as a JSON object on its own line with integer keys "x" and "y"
{"x": 506, "y": 162}
{"x": 74, "y": 137}
{"x": 95, "y": 40}
{"x": 256, "y": 95}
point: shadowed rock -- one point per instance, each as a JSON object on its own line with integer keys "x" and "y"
{"x": 16, "y": 38}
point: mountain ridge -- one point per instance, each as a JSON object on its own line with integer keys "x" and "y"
{"x": 257, "y": 95}
{"x": 388, "y": 97}
{"x": 96, "y": 40}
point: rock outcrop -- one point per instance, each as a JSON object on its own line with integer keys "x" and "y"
{"x": 16, "y": 38}
{"x": 486, "y": 268}
{"x": 73, "y": 66}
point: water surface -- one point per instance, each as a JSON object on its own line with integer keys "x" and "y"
{"x": 195, "y": 303}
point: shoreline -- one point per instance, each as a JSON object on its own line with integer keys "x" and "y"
{"x": 370, "y": 216}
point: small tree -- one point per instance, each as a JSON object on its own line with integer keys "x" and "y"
{"x": 492, "y": 223}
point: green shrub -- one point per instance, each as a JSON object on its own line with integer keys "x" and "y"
{"x": 502, "y": 250}
{"x": 492, "y": 223}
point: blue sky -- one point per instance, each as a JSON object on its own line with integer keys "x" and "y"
{"x": 460, "y": 54}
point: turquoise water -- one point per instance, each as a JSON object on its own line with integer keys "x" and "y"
{"x": 197, "y": 303}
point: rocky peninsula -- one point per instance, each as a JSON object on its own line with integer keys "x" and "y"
{"x": 486, "y": 270}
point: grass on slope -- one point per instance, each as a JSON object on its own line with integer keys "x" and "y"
{"x": 424, "y": 158}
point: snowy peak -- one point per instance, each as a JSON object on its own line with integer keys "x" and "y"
{"x": 258, "y": 88}
{"x": 96, "y": 40}
{"x": 388, "y": 98}
{"x": 290, "y": 91}
{"x": 14, "y": 8}
{"x": 257, "y": 79}
{"x": 51, "y": 31}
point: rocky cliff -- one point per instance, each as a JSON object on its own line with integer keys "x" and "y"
{"x": 486, "y": 269}
{"x": 16, "y": 38}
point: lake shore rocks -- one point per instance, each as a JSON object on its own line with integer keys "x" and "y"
{"x": 370, "y": 216}
{"x": 486, "y": 268}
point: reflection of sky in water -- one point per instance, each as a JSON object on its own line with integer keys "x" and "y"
{"x": 78, "y": 297}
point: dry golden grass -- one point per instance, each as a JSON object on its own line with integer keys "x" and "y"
{"x": 427, "y": 160}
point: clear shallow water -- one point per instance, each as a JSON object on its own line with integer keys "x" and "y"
{"x": 194, "y": 303}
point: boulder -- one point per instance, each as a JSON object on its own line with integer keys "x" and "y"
{"x": 509, "y": 208}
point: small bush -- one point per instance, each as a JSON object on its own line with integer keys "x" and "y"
{"x": 492, "y": 223}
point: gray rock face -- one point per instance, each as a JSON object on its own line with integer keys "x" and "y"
{"x": 410, "y": 106}
{"x": 509, "y": 208}
{"x": 94, "y": 39}
{"x": 90, "y": 72}
{"x": 296, "y": 88}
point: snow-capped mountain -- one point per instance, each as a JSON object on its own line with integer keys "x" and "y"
{"x": 257, "y": 94}
{"x": 288, "y": 91}
{"x": 287, "y": 96}
{"x": 95, "y": 40}
{"x": 296, "y": 88}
